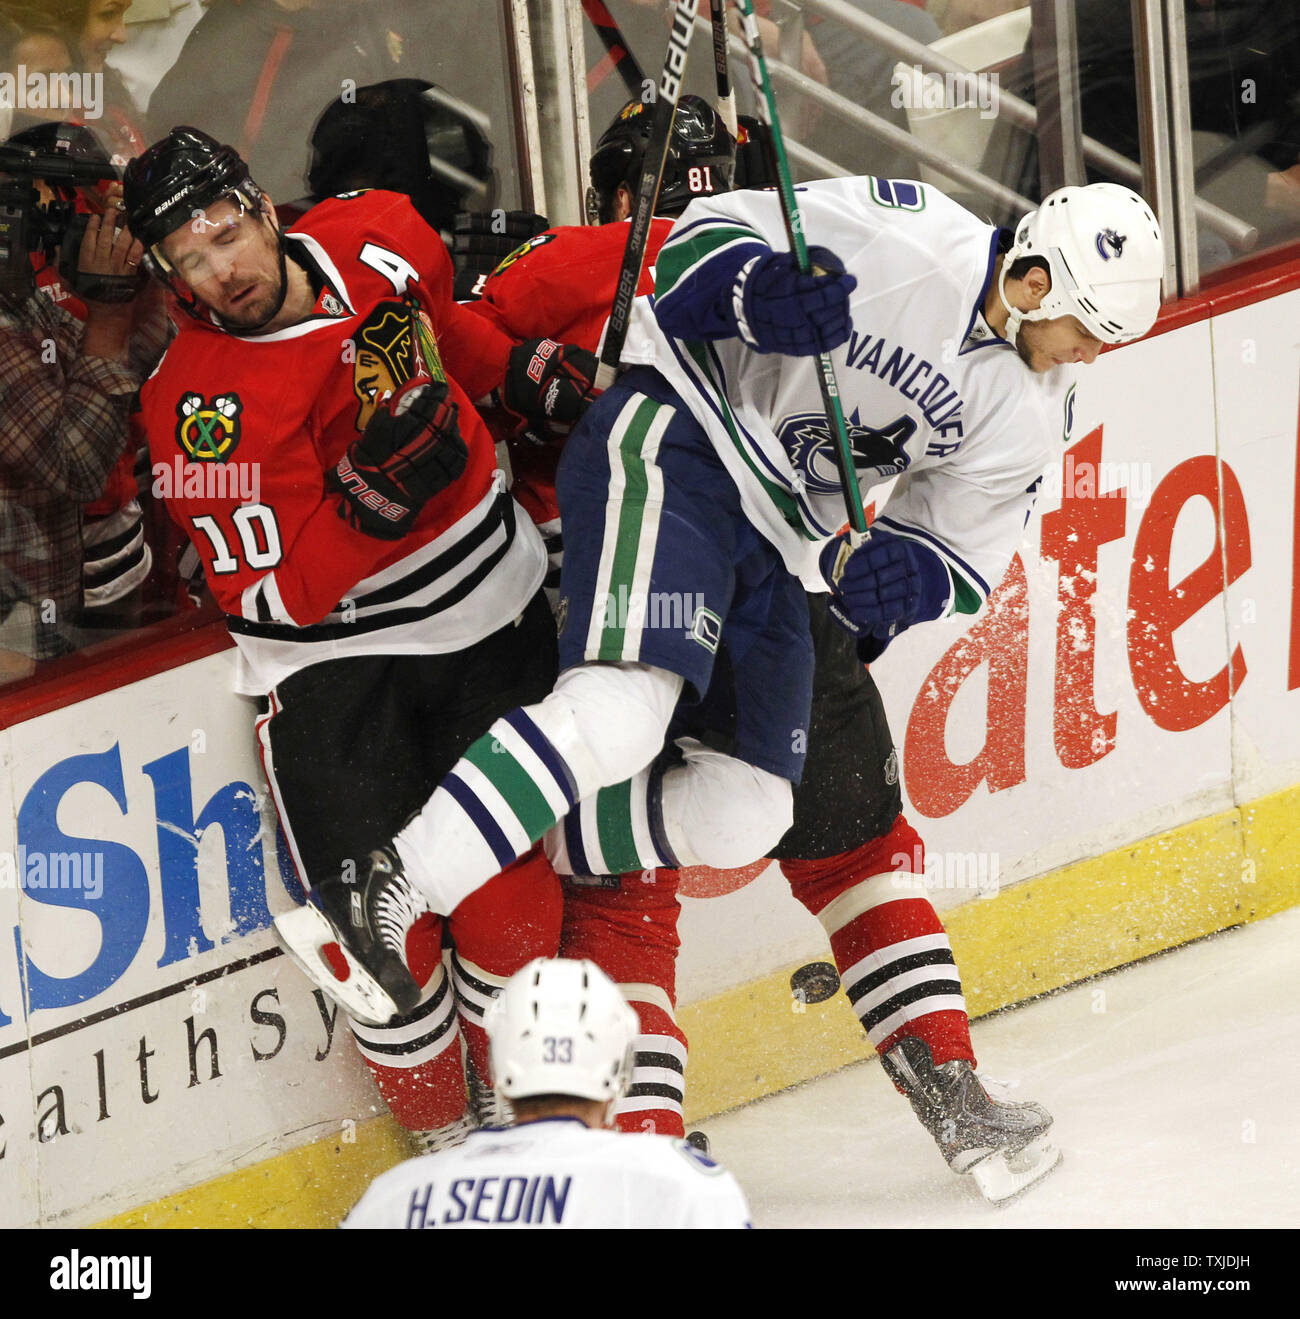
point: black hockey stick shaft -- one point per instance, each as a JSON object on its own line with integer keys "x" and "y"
{"x": 726, "y": 96}
{"x": 841, "y": 449}
{"x": 615, "y": 46}
{"x": 652, "y": 171}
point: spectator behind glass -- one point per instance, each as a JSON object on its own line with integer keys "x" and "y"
{"x": 93, "y": 28}
{"x": 26, "y": 50}
{"x": 156, "y": 33}
{"x": 66, "y": 388}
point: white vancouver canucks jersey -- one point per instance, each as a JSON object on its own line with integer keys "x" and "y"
{"x": 930, "y": 394}
{"x": 555, "y": 1173}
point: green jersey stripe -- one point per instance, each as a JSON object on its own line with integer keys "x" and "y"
{"x": 677, "y": 259}
{"x": 614, "y": 825}
{"x": 512, "y": 781}
{"x": 615, "y": 594}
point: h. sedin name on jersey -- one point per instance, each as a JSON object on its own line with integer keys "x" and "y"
{"x": 878, "y": 451}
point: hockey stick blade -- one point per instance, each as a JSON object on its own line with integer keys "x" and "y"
{"x": 652, "y": 172}
{"x": 304, "y": 934}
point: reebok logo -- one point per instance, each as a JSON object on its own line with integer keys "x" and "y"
{"x": 99, "y": 1273}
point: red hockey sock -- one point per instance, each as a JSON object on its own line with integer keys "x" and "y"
{"x": 415, "y": 1059}
{"x": 894, "y": 959}
{"x": 630, "y": 932}
{"x": 497, "y": 930}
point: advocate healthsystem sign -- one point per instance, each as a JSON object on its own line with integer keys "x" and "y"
{"x": 1139, "y": 669}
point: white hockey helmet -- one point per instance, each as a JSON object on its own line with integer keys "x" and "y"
{"x": 1105, "y": 255}
{"x": 561, "y": 1027}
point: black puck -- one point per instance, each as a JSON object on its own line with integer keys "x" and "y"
{"x": 815, "y": 983}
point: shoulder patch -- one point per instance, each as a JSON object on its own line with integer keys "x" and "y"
{"x": 538, "y": 240}
{"x": 1068, "y": 424}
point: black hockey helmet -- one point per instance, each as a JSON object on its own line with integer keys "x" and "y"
{"x": 178, "y": 177}
{"x": 408, "y": 136}
{"x": 701, "y": 157}
{"x": 182, "y": 173}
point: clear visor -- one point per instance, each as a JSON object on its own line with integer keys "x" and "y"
{"x": 206, "y": 248}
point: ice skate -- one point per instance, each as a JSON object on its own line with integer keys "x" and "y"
{"x": 350, "y": 939}
{"x": 435, "y": 1139}
{"x": 1003, "y": 1146}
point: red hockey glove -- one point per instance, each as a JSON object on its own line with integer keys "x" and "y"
{"x": 411, "y": 450}
{"x": 552, "y": 383}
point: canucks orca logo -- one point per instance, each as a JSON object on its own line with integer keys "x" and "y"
{"x": 878, "y": 452}
{"x": 208, "y": 432}
{"x": 1110, "y": 244}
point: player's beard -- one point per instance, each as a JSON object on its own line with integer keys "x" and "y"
{"x": 254, "y": 311}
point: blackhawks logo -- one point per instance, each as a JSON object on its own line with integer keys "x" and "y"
{"x": 208, "y": 432}
{"x": 395, "y": 344}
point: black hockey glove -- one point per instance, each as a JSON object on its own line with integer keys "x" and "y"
{"x": 551, "y": 383}
{"x": 411, "y": 450}
{"x": 481, "y": 241}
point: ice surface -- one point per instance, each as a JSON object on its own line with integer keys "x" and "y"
{"x": 1173, "y": 1084}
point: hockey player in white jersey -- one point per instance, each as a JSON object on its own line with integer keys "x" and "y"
{"x": 561, "y": 1038}
{"x": 705, "y": 475}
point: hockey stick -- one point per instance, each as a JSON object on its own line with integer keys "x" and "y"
{"x": 726, "y": 96}
{"x": 652, "y": 172}
{"x": 619, "y": 52}
{"x": 841, "y": 449}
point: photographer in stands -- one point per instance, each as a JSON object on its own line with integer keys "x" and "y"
{"x": 66, "y": 386}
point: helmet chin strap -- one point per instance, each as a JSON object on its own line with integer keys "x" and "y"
{"x": 1014, "y": 315}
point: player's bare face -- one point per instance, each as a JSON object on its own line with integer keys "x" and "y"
{"x": 230, "y": 258}
{"x": 1061, "y": 341}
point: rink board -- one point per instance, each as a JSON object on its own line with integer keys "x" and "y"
{"x": 1100, "y": 766}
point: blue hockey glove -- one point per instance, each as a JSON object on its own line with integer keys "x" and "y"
{"x": 888, "y": 583}
{"x": 778, "y": 310}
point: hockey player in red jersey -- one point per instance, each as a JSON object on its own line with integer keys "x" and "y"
{"x": 312, "y": 423}
{"x": 850, "y": 857}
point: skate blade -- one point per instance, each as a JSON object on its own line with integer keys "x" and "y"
{"x": 303, "y": 933}
{"x": 1002, "y": 1177}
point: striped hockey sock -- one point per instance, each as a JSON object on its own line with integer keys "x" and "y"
{"x": 416, "y": 1062}
{"x": 508, "y": 789}
{"x": 656, "y": 1093}
{"x": 894, "y": 958}
{"x": 619, "y": 830}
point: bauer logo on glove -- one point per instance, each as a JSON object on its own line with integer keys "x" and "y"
{"x": 550, "y": 382}
{"x": 411, "y": 450}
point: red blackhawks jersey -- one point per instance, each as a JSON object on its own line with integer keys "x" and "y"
{"x": 243, "y": 429}
{"x": 560, "y": 285}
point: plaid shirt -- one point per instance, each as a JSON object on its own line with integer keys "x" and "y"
{"x": 63, "y": 423}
